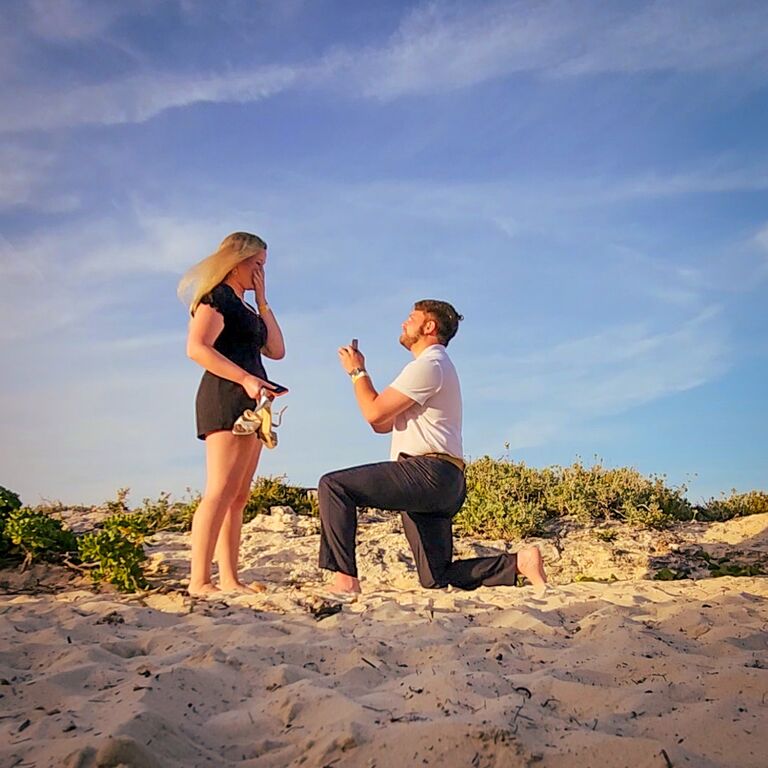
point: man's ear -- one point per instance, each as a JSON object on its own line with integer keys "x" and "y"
{"x": 430, "y": 327}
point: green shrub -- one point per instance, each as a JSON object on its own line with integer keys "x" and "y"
{"x": 269, "y": 492}
{"x": 133, "y": 524}
{"x": 590, "y": 494}
{"x": 116, "y": 550}
{"x": 9, "y": 502}
{"x": 668, "y": 574}
{"x": 510, "y": 500}
{"x": 152, "y": 516}
{"x": 38, "y": 535}
{"x": 504, "y": 500}
{"x": 165, "y": 515}
{"x": 118, "y": 505}
{"x": 116, "y": 556}
{"x": 734, "y": 505}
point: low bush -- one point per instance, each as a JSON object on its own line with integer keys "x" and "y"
{"x": 115, "y": 555}
{"x": 507, "y": 499}
{"x": 160, "y": 514}
{"x": 504, "y": 500}
{"x": 596, "y": 493}
{"x": 734, "y": 505}
{"x": 9, "y": 502}
{"x": 269, "y": 492}
{"x": 166, "y": 515}
{"x": 38, "y": 535}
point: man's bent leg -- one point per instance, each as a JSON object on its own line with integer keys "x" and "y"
{"x": 338, "y": 525}
{"x": 392, "y": 485}
{"x": 499, "y": 570}
{"x": 428, "y": 523}
{"x": 493, "y": 571}
{"x": 431, "y": 541}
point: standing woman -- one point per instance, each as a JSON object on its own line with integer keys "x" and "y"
{"x": 227, "y": 337}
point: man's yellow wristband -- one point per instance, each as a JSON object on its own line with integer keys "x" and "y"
{"x": 358, "y": 374}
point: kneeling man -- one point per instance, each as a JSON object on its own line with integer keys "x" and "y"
{"x": 424, "y": 479}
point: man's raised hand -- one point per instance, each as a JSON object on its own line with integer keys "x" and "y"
{"x": 351, "y": 358}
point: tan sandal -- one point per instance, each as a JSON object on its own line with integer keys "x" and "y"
{"x": 260, "y": 421}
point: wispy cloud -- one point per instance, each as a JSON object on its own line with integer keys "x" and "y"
{"x": 450, "y": 45}
{"x": 439, "y": 46}
{"x": 145, "y": 239}
{"x": 139, "y": 97}
{"x": 24, "y": 174}
{"x": 761, "y": 238}
{"x": 562, "y": 388}
{"x": 75, "y": 20}
{"x": 61, "y": 277}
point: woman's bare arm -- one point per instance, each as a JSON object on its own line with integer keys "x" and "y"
{"x": 204, "y": 328}
{"x": 274, "y": 348}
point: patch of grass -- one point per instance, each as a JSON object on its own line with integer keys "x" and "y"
{"x": 725, "y": 566}
{"x": 668, "y": 574}
{"x": 595, "y": 579}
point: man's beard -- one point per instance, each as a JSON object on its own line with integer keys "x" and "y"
{"x": 408, "y": 341}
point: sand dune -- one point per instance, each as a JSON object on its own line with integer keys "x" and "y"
{"x": 622, "y": 673}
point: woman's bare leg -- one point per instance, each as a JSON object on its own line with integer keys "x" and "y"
{"x": 224, "y": 454}
{"x": 228, "y": 544}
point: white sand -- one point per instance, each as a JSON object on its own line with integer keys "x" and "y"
{"x": 629, "y": 673}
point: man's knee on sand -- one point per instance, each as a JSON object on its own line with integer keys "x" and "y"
{"x": 432, "y": 575}
{"x": 428, "y": 581}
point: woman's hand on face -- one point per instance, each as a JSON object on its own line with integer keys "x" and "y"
{"x": 258, "y": 282}
{"x": 253, "y": 386}
{"x": 351, "y": 358}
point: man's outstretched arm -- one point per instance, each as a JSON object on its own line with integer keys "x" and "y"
{"x": 378, "y": 409}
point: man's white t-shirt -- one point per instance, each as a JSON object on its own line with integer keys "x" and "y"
{"x": 433, "y": 423}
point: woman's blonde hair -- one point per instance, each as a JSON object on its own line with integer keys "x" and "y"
{"x": 208, "y": 273}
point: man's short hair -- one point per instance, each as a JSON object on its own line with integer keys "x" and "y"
{"x": 446, "y": 317}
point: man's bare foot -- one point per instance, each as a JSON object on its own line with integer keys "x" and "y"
{"x": 344, "y": 584}
{"x": 530, "y": 565}
{"x": 203, "y": 590}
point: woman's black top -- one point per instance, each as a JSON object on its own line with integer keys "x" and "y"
{"x": 220, "y": 401}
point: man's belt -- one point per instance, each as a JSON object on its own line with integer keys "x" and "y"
{"x": 457, "y": 462}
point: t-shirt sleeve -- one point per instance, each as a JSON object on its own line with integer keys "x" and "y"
{"x": 419, "y": 380}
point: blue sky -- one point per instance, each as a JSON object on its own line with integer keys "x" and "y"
{"x": 587, "y": 183}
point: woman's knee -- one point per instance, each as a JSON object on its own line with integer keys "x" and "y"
{"x": 219, "y": 497}
{"x": 240, "y": 500}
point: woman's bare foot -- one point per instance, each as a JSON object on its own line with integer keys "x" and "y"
{"x": 244, "y": 589}
{"x": 203, "y": 590}
{"x": 530, "y": 565}
{"x": 344, "y": 584}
